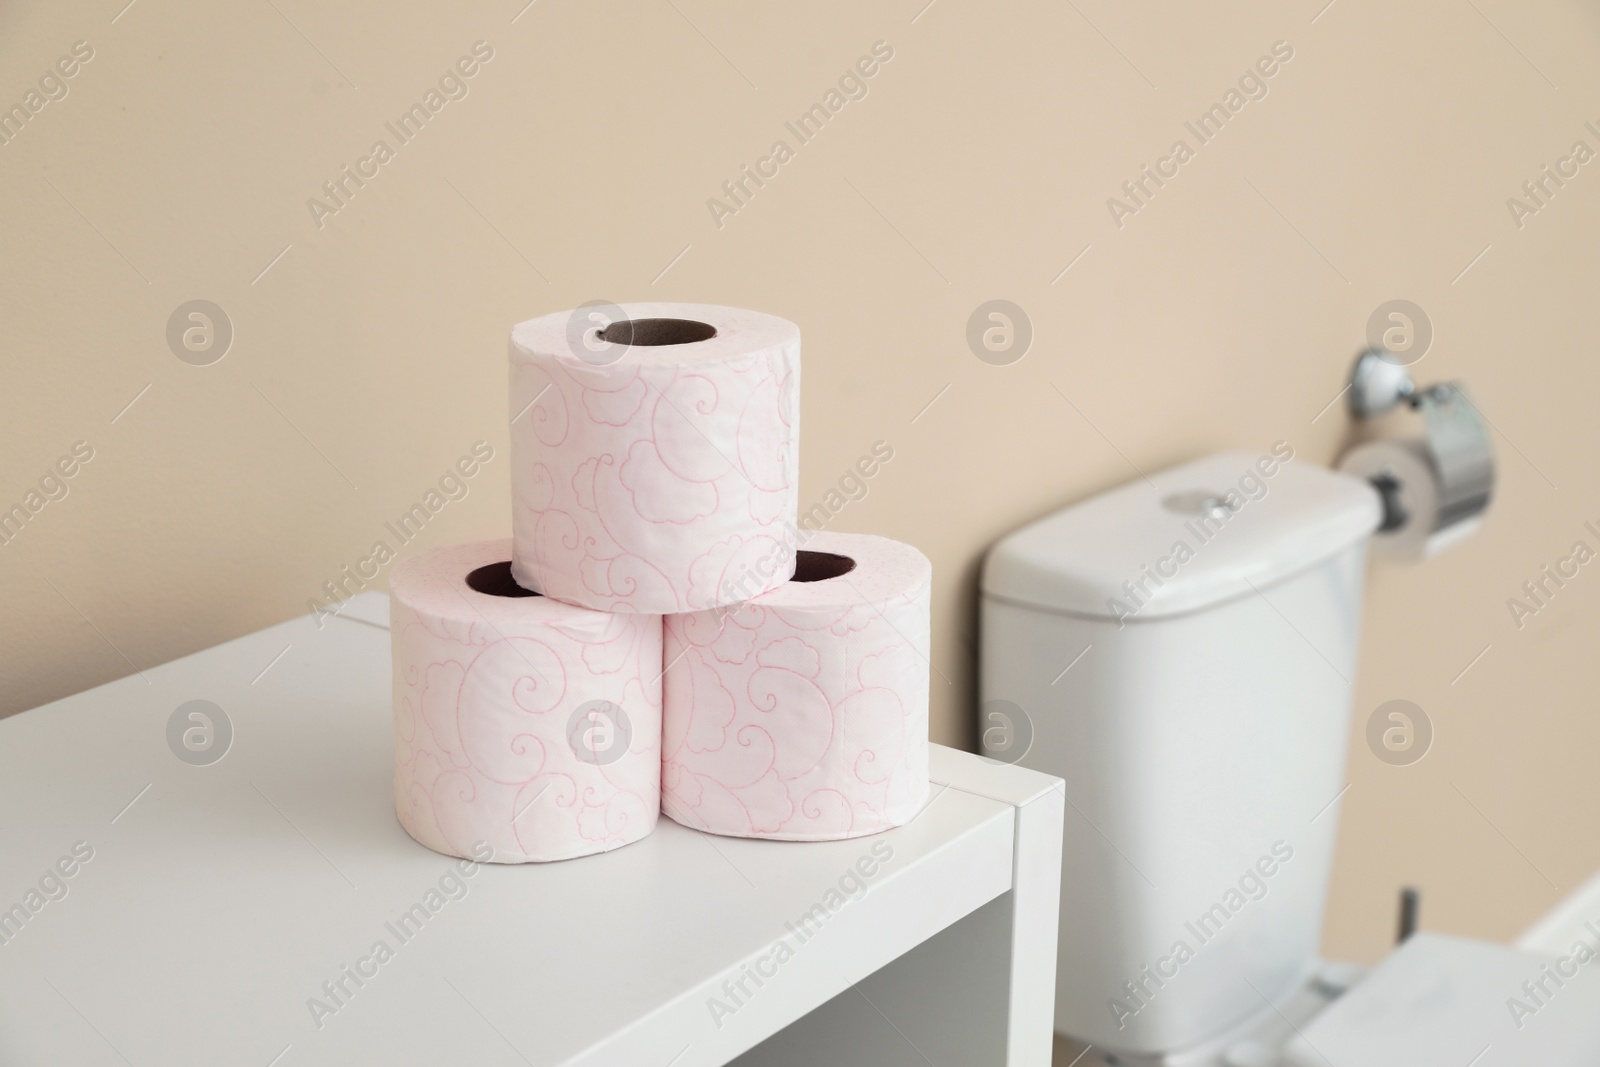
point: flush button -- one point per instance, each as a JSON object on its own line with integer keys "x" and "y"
{"x": 1196, "y": 502}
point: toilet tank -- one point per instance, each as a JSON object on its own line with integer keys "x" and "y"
{"x": 1180, "y": 650}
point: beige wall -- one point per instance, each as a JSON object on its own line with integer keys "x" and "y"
{"x": 1224, "y": 313}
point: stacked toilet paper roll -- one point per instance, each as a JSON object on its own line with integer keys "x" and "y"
{"x": 520, "y": 722}
{"x": 654, "y": 453}
{"x": 802, "y": 714}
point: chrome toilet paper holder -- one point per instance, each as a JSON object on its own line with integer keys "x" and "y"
{"x": 1455, "y": 433}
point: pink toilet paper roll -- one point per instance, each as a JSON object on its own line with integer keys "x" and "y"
{"x": 654, "y": 461}
{"x": 802, "y": 714}
{"x": 532, "y": 725}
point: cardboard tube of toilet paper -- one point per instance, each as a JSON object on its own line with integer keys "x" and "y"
{"x": 802, "y": 715}
{"x": 1419, "y": 535}
{"x": 654, "y": 452}
{"x": 520, "y": 722}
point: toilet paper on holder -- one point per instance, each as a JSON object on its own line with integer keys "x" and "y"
{"x": 1435, "y": 489}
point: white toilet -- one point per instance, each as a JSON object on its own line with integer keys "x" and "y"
{"x": 1180, "y": 650}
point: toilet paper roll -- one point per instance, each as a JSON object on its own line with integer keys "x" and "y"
{"x": 1416, "y": 500}
{"x": 654, "y": 461}
{"x": 519, "y": 721}
{"x": 802, "y": 715}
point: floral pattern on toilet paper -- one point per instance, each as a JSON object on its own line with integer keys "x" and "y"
{"x": 797, "y": 725}
{"x": 481, "y": 720}
{"x": 649, "y": 487}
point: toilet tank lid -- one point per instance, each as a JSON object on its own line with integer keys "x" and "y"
{"x": 1189, "y": 537}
